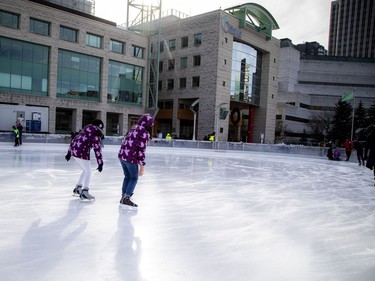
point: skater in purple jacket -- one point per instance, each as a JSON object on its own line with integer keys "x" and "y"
{"x": 132, "y": 156}
{"x": 88, "y": 138}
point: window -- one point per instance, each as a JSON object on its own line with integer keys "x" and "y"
{"x": 195, "y": 81}
{"x": 197, "y": 60}
{"x": 183, "y": 62}
{"x": 171, "y": 64}
{"x": 172, "y": 44}
{"x": 170, "y": 84}
{"x": 9, "y": 19}
{"x": 39, "y": 27}
{"x": 184, "y": 42}
{"x": 23, "y": 67}
{"x": 160, "y": 66}
{"x": 197, "y": 39}
{"x": 116, "y": 46}
{"x": 160, "y": 85}
{"x": 93, "y": 40}
{"x": 78, "y": 76}
{"x": 161, "y": 47}
{"x": 125, "y": 83}
{"x": 138, "y": 52}
{"x": 68, "y": 34}
{"x": 182, "y": 83}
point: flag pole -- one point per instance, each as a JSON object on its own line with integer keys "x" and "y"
{"x": 351, "y": 136}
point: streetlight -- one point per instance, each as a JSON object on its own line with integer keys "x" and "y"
{"x": 195, "y": 116}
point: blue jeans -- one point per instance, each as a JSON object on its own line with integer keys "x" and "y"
{"x": 131, "y": 177}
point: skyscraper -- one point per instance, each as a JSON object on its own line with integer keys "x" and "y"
{"x": 352, "y": 28}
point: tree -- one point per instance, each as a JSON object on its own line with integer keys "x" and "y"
{"x": 321, "y": 125}
{"x": 371, "y": 115}
{"x": 342, "y": 121}
{"x": 359, "y": 117}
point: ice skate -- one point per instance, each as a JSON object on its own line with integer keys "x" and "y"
{"x": 127, "y": 204}
{"x": 77, "y": 190}
{"x": 85, "y": 195}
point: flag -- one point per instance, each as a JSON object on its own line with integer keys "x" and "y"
{"x": 347, "y": 96}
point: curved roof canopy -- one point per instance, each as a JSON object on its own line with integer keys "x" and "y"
{"x": 254, "y": 16}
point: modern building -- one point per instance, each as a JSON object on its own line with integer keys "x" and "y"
{"x": 352, "y": 29}
{"x": 60, "y": 68}
{"x": 310, "y": 85}
{"x": 311, "y": 49}
{"x": 64, "y": 67}
{"x": 218, "y": 72}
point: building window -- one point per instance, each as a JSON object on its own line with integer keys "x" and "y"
{"x": 125, "y": 83}
{"x": 172, "y": 44}
{"x": 170, "y": 84}
{"x": 116, "y": 46}
{"x": 225, "y": 61}
{"x": 39, "y": 27}
{"x": 160, "y": 66}
{"x": 246, "y": 71}
{"x": 160, "y": 85}
{"x": 78, "y": 76}
{"x": 197, "y": 60}
{"x": 226, "y": 39}
{"x": 138, "y": 52}
{"x": 23, "y": 67}
{"x": 171, "y": 64}
{"x": 182, "y": 83}
{"x": 197, "y": 39}
{"x": 184, "y": 42}
{"x": 93, "y": 40}
{"x": 183, "y": 62}
{"x": 161, "y": 47}
{"x": 68, "y": 34}
{"x": 195, "y": 81}
{"x": 9, "y": 19}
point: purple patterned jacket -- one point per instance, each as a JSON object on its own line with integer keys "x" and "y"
{"x": 133, "y": 147}
{"x": 89, "y": 137}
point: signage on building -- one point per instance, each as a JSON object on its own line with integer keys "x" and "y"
{"x": 227, "y": 27}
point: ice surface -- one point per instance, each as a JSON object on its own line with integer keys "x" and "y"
{"x": 203, "y": 215}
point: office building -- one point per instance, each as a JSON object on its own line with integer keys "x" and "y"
{"x": 352, "y": 29}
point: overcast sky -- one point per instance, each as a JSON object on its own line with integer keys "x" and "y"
{"x": 299, "y": 20}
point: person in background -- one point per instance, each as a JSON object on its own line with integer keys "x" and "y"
{"x": 168, "y": 137}
{"x": 370, "y": 146}
{"x": 20, "y": 128}
{"x": 132, "y": 156}
{"x": 357, "y": 145}
{"x": 348, "y": 148}
{"x": 88, "y": 138}
{"x": 336, "y": 155}
{"x": 16, "y": 135}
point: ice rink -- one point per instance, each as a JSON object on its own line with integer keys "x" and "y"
{"x": 204, "y": 215}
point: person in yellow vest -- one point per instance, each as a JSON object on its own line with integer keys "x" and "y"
{"x": 211, "y": 137}
{"x": 16, "y": 134}
{"x": 168, "y": 136}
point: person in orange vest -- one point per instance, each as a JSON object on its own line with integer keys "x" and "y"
{"x": 348, "y": 148}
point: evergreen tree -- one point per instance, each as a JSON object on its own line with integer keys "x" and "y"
{"x": 359, "y": 117}
{"x": 370, "y": 120}
{"x": 342, "y": 121}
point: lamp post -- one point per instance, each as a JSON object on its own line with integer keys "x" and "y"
{"x": 195, "y": 116}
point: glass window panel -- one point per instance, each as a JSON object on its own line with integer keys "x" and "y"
{"x": 4, "y": 80}
{"x": 9, "y": 19}
{"x": 39, "y": 27}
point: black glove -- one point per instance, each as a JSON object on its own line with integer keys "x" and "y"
{"x": 100, "y": 167}
{"x": 67, "y": 156}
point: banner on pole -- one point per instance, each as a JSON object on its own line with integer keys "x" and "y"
{"x": 347, "y": 96}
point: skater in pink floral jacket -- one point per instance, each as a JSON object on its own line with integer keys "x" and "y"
{"x": 132, "y": 156}
{"x": 88, "y": 138}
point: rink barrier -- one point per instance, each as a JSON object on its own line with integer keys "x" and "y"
{"x": 220, "y": 146}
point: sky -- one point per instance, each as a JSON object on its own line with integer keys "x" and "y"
{"x": 299, "y": 20}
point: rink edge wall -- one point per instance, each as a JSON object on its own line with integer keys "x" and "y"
{"x": 233, "y": 146}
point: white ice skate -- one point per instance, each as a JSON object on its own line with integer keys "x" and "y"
{"x": 85, "y": 195}
{"x": 77, "y": 190}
